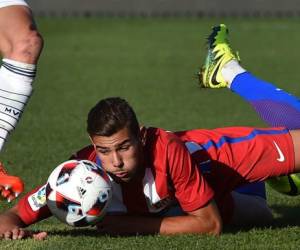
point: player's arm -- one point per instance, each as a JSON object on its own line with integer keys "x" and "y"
{"x": 205, "y": 220}
{"x": 193, "y": 193}
{"x": 10, "y": 219}
{"x": 11, "y": 227}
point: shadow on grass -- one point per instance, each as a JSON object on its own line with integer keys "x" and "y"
{"x": 286, "y": 216}
{"x": 79, "y": 232}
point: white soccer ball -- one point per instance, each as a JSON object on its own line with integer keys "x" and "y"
{"x": 78, "y": 192}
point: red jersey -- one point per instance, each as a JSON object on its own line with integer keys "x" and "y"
{"x": 188, "y": 167}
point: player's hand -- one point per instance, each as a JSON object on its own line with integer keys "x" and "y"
{"x": 20, "y": 233}
{"x": 10, "y": 186}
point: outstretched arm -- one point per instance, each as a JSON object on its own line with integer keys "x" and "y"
{"x": 10, "y": 219}
{"x": 11, "y": 227}
{"x": 29, "y": 210}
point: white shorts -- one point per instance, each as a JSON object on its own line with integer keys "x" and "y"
{"x": 5, "y": 3}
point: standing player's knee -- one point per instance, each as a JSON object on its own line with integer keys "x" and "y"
{"x": 27, "y": 48}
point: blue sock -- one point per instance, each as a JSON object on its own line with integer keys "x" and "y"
{"x": 275, "y": 106}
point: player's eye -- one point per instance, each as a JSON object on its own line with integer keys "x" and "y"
{"x": 124, "y": 147}
{"x": 104, "y": 151}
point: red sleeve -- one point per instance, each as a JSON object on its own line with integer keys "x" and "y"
{"x": 86, "y": 153}
{"x": 191, "y": 189}
{"x": 33, "y": 207}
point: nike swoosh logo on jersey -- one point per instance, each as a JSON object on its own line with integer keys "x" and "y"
{"x": 281, "y": 156}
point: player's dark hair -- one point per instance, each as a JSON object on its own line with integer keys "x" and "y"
{"x": 110, "y": 115}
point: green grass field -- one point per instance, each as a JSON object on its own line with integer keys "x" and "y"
{"x": 152, "y": 63}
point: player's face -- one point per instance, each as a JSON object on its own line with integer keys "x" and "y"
{"x": 120, "y": 154}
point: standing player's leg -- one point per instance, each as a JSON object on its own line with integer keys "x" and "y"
{"x": 20, "y": 47}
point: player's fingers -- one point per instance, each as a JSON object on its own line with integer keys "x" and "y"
{"x": 17, "y": 233}
{"x": 7, "y": 235}
{"x": 40, "y": 236}
{"x": 22, "y": 234}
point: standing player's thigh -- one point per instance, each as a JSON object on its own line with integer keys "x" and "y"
{"x": 16, "y": 22}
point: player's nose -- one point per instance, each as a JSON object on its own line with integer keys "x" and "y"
{"x": 117, "y": 160}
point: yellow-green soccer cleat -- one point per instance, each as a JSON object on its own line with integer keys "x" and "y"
{"x": 219, "y": 53}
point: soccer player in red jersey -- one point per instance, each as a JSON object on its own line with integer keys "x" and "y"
{"x": 20, "y": 47}
{"x": 153, "y": 169}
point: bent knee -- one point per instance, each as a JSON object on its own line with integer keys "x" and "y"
{"x": 26, "y": 47}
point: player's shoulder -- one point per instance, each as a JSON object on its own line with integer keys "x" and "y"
{"x": 202, "y": 136}
{"x": 161, "y": 143}
{"x": 85, "y": 153}
{"x": 163, "y": 136}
